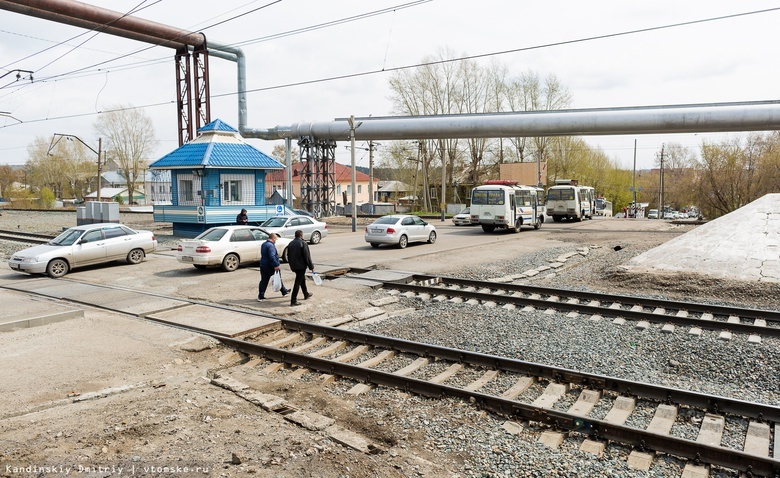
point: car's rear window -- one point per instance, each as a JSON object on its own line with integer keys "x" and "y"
{"x": 212, "y": 235}
{"x": 386, "y": 220}
{"x": 114, "y": 232}
{"x": 275, "y": 222}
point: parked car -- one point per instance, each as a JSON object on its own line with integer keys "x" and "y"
{"x": 84, "y": 245}
{"x": 652, "y": 214}
{"x": 400, "y": 230}
{"x": 303, "y": 212}
{"x": 620, "y": 215}
{"x": 463, "y": 218}
{"x": 228, "y": 246}
{"x": 285, "y": 226}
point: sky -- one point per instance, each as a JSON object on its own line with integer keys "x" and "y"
{"x": 723, "y": 60}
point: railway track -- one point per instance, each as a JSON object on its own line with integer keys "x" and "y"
{"x": 605, "y": 409}
{"x": 26, "y": 237}
{"x": 755, "y": 322}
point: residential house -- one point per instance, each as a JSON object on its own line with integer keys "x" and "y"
{"x": 276, "y": 180}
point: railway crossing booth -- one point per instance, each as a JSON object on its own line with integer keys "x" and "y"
{"x": 213, "y": 177}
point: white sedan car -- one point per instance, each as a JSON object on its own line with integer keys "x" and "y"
{"x": 227, "y": 246}
{"x": 399, "y": 230}
{"x": 85, "y": 245}
{"x": 463, "y": 218}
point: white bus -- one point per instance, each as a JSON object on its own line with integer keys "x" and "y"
{"x": 570, "y": 201}
{"x": 504, "y": 204}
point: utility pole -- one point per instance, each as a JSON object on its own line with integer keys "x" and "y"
{"x": 633, "y": 188}
{"x": 371, "y": 175}
{"x": 100, "y": 168}
{"x": 661, "y": 209}
{"x": 352, "y": 144}
{"x": 443, "y": 203}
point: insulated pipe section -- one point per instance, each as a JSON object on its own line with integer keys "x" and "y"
{"x": 227, "y": 52}
{"x": 718, "y": 117}
{"x": 82, "y": 15}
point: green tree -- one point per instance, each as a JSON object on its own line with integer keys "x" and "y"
{"x": 47, "y": 198}
{"x": 733, "y": 173}
{"x": 129, "y": 140}
{"x": 7, "y": 179}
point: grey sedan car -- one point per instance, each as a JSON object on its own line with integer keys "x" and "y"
{"x": 83, "y": 246}
{"x": 399, "y": 230}
{"x": 285, "y": 226}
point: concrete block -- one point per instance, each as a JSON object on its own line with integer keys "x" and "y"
{"x": 551, "y": 439}
{"x": 310, "y": 420}
{"x": 593, "y": 447}
{"x": 639, "y": 460}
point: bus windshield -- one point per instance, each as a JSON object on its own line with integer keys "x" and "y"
{"x": 487, "y": 197}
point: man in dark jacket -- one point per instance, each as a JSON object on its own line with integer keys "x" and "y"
{"x": 299, "y": 258}
{"x": 269, "y": 264}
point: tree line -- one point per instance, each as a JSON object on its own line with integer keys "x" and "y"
{"x": 719, "y": 179}
{"x": 64, "y": 166}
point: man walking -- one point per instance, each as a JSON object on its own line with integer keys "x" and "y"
{"x": 299, "y": 258}
{"x": 269, "y": 264}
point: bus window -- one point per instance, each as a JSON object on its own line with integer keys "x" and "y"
{"x": 491, "y": 197}
{"x": 524, "y": 198}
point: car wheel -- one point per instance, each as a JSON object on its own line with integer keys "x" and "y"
{"x": 230, "y": 263}
{"x": 57, "y": 268}
{"x": 403, "y": 241}
{"x": 315, "y": 237}
{"x": 200, "y": 266}
{"x": 374, "y": 244}
{"x": 488, "y": 227}
{"x": 432, "y": 237}
{"x": 136, "y": 256}
{"x": 556, "y": 218}
{"x": 284, "y": 255}
{"x": 538, "y": 223}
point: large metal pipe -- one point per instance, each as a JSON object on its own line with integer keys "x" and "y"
{"x": 717, "y": 117}
{"x": 91, "y": 17}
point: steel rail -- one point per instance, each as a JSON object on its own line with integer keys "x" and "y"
{"x": 720, "y": 310}
{"x": 599, "y": 429}
{"x": 26, "y": 237}
{"x": 772, "y": 315}
{"x": 634, "y": 388}
{"x": 592, "y": 309}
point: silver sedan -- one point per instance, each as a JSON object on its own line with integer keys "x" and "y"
{"x": 399, "y": 230}
{"x": 83, "y": 246}
{"x": 285, "y": 226}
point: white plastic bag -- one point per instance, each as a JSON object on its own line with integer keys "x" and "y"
{"x": 317, "y": 278}
{"x": 276, "y": 281}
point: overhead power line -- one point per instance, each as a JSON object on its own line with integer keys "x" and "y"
{"x": 429, "y": 63}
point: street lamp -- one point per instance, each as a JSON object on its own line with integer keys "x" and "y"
{"x": 71, "y": 137}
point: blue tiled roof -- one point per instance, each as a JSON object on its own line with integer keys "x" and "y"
{"x": 217, "y": 125}
{"x": 218, "y": 146}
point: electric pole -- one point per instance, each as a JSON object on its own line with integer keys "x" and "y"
{"x": 661, "y": 209}
{"x": 371, "y": 176}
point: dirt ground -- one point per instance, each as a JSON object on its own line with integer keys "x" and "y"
{"x": 142, "y": 400}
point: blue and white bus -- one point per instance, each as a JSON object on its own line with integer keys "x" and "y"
{"x": 505, "y": 204}
{"x": 567, "y": 200}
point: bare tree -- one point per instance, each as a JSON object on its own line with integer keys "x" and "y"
{"x": 530, "y": 93}
{"x": 129, "y": 140}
